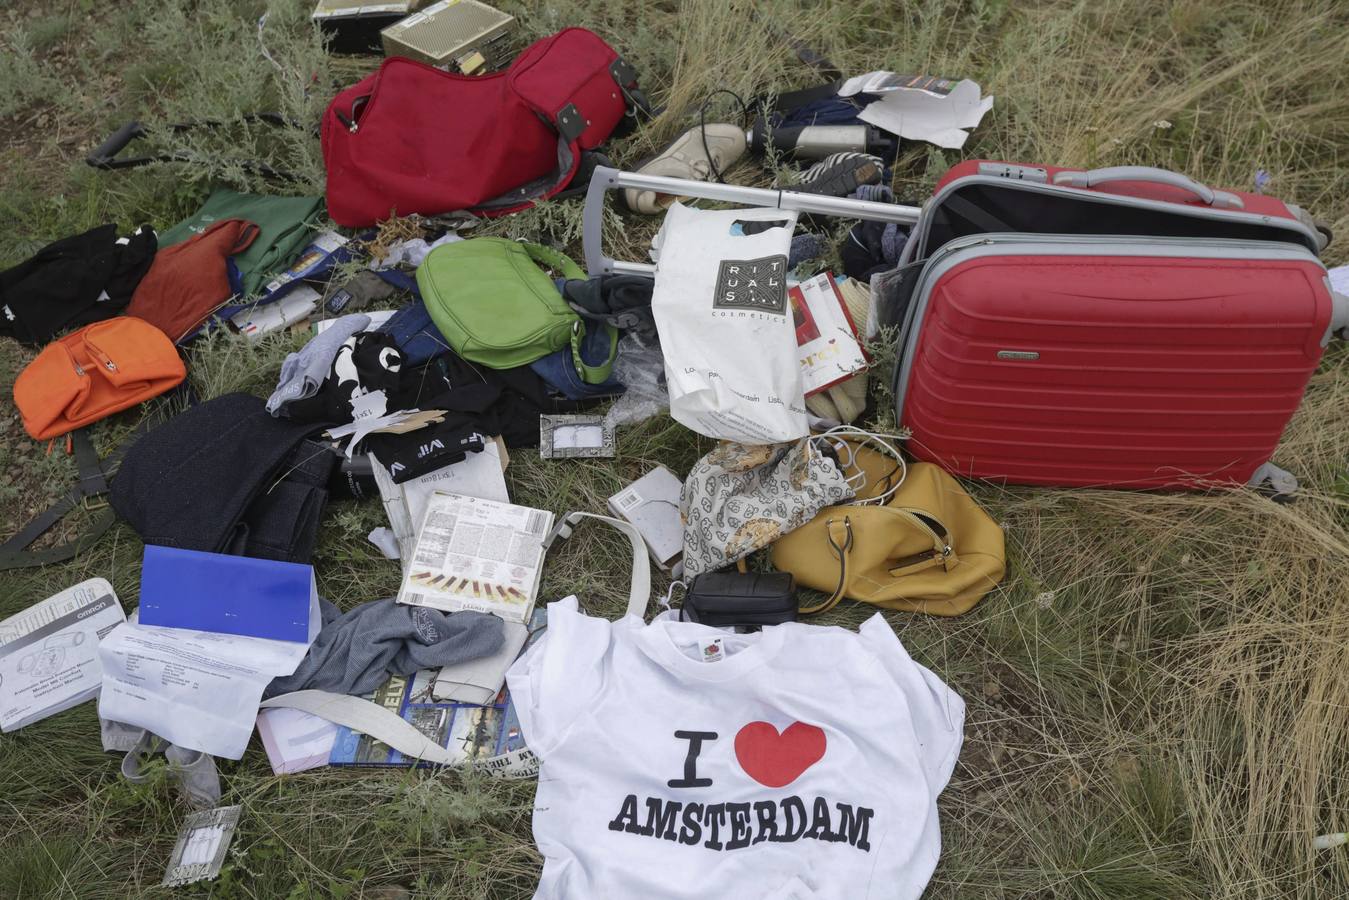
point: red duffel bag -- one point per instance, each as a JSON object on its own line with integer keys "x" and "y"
{"x": 413, "y": 139}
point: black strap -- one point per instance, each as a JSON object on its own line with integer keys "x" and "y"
{"x": 105, "y": 156}
{"x": 93, "y": 482}
{"x": 981, "y": 218}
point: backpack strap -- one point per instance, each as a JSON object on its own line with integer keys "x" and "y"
{"x": 93, "y": 482}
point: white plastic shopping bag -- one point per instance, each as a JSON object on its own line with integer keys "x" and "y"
{"x": 726, "y": 324}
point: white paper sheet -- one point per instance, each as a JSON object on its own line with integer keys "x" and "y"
{"x": 919, "y": 108}
{"x": 477, "y": 475}
{"x": 1339, "y": 279}
{"x": 294, "y": 740}
{"x": 49, "y": 652}
{"x": 196, "y": 689}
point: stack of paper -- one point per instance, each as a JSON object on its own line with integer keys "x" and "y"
{"x": 477, "y": 475}
{"x": 213, "y": 630}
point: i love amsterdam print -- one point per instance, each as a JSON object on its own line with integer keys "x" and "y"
{"x": 765, "y": 756}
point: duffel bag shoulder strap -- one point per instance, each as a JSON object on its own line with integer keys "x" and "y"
{"x": 581, "y": 87}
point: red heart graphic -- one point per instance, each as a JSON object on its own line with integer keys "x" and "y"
{"x": 774, "y": 759}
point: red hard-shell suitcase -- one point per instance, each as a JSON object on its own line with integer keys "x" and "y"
{"x": 1122, "y": 328}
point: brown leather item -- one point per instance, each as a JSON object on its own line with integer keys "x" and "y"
{"x": 929, "y": 548}
{"x": 92, "y": 373}
{"x": 189, "y": 281}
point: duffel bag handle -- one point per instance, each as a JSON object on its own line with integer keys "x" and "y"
{"x": 1151, "y": 175}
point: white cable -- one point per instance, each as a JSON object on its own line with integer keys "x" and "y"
{"x": 858, "y": 480}
{"x": 262, "y": 21}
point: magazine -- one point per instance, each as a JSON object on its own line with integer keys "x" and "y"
{"x": 478, "y": 554}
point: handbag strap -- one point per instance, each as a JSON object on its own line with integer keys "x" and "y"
{"x": 93, "y": 482}
{"x": 639, "y": 590}
{"x": 839, "y": 533}
{"x": 553, "y": 259}
{"x": 596, "y": 374}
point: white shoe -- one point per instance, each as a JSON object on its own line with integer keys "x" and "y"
{"x": 686, "y": 158}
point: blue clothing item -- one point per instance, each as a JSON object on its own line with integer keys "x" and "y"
{"x": 414, "y": 332}
{"x": 558, "y": 369}
{"x": 828, "y": 111}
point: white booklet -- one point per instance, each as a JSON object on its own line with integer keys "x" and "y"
{"x": 477, "y": 554}
{"x": 49, "y": 652}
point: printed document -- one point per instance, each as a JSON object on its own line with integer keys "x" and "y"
{"x": 49, "y": 652}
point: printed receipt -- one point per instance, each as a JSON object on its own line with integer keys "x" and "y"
{"x": 198, "y": 689}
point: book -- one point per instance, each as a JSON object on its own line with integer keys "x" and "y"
{"x": 652, "y": 504}
{"x": 477, "y": 554}
{"x": 826, "y": 336}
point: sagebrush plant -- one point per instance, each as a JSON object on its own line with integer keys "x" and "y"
{"x": 1156, "y": 701}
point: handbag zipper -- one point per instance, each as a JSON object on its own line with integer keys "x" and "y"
{"x": 917, "y": 519}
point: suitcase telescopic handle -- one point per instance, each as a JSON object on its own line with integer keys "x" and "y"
{"x": 1093, "y": 177}
{"x": 608, "y": 179}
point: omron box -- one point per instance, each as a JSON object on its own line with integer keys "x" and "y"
{"x": 451, "y": 32}
{"x": 353, "y": 26}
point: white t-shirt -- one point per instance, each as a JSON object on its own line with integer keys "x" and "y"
{"x": 680, "y": 760}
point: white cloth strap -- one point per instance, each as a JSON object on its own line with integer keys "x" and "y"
{"x": 395, "y": 731}
{"x": 639, "y": 592}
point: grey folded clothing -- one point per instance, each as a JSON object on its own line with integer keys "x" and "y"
{"x": 357, "y": 651}
{"x": 302, "y": 373}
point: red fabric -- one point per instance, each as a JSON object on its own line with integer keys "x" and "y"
{"x": 1258, "y": 204}
{"x": 189, "y": 281}
{"x": 1149, "y": 372}
{"x": 429, "y": 142}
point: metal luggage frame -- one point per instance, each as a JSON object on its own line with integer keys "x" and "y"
{"x": 606, "y": 179}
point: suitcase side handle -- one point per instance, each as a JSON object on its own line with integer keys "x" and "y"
{"x": 606, "y": 179}
{"x": 1093, "y": 177}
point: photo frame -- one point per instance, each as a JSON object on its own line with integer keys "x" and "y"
{"x": 576, "y": 437}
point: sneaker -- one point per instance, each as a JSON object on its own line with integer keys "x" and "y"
{"x": 686, "y": 158}
{"x": 840, "y": 174}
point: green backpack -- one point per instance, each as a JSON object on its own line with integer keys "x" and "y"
{"x": 495, "y": 306}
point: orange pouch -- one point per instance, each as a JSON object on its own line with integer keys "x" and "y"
{"x": 92, "y": 373}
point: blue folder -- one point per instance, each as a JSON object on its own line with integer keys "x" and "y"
{"x": 240, "y": 595}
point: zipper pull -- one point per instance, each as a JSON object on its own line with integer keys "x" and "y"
{"x": 351, "y": 124}
{"x": 110, "y": 365}
{"x": 79, "y": 369}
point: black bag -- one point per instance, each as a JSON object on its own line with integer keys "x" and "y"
{"x": 741, "y": 598}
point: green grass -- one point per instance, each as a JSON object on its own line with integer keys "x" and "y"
{"x": 1157, "y": 705}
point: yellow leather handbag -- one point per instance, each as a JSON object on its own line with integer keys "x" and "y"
{"x": 927, "y": 548}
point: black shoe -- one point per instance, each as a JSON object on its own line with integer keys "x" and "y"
{"x": 840, "y": 174}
